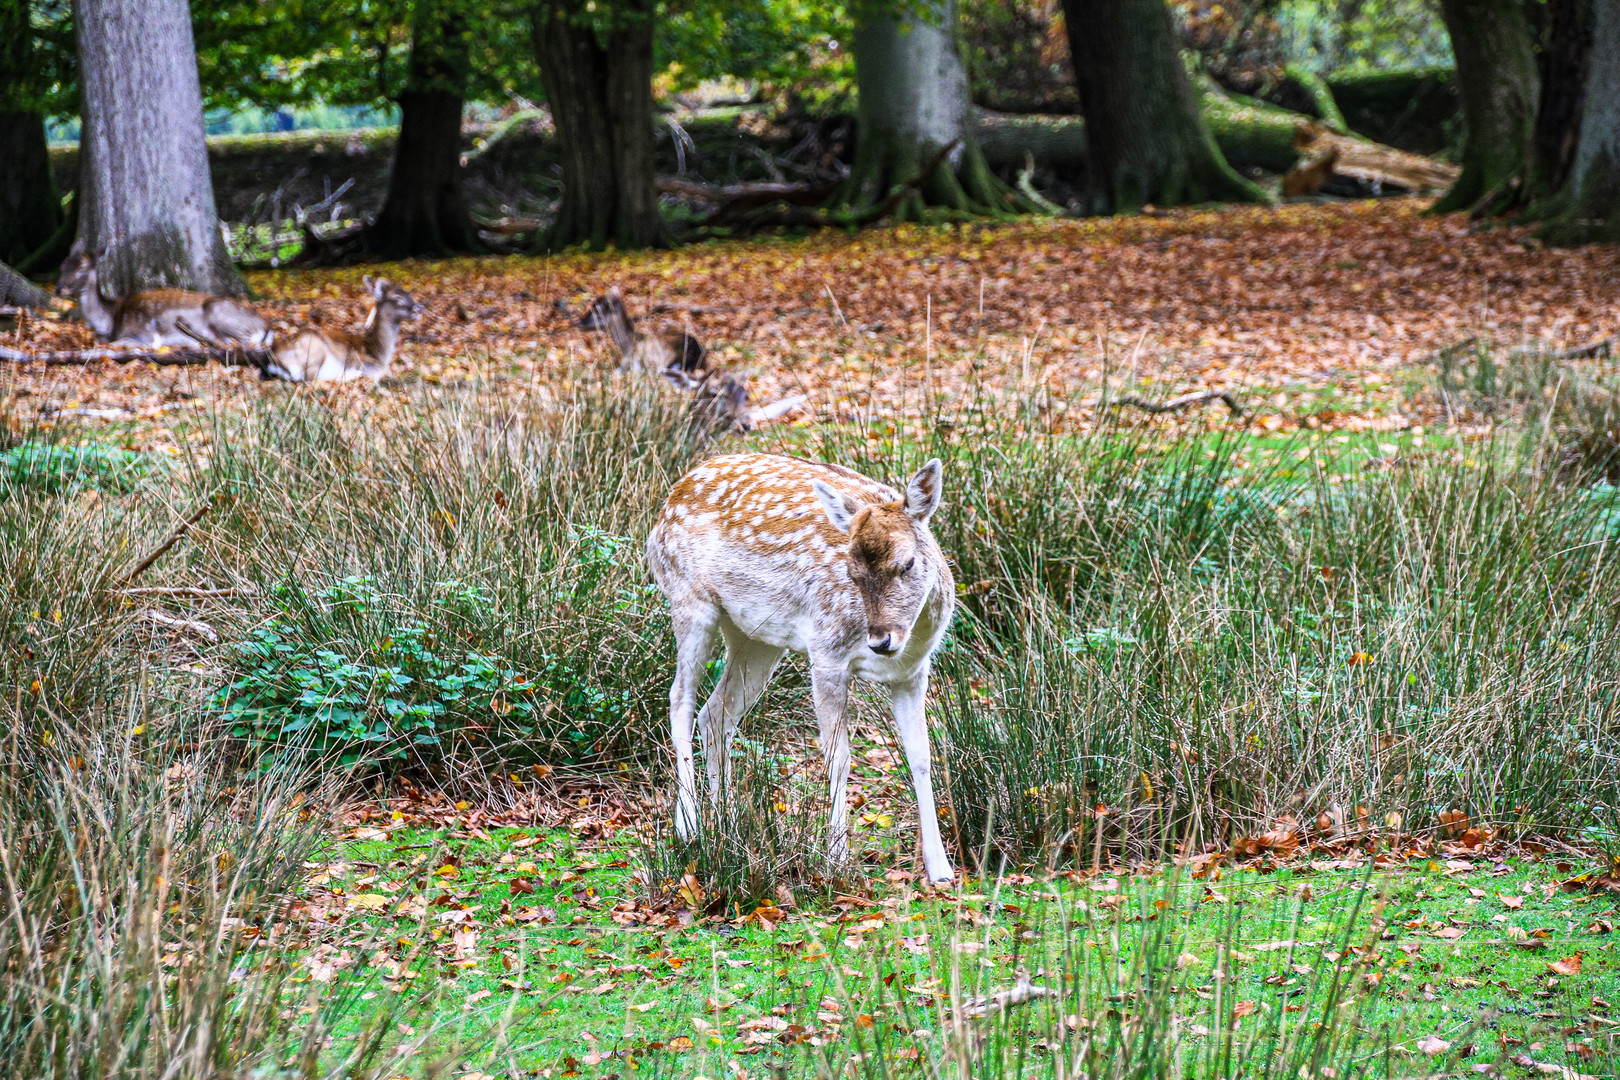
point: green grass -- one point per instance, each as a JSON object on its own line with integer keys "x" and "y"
{"x": 1163, "y": 647}
{"x": 636, "y": 989}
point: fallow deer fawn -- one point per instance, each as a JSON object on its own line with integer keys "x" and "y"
{"x": 643, "y": 352}
{"x": 341, "y": 356}
{"x": 775, "y": 553}
{"x": 159, "y": 317}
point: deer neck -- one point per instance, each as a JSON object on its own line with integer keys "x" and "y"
{"x": 622, "y": 331}
{"x": 382, "y": 335}
{"x": 99, "y": 315}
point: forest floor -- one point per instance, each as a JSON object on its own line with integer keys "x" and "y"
{"x": 1320, "y": 315}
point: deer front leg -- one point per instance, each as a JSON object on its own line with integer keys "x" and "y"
{"x": 912, "y": 722}
{"x": 829, "y": 686}
{"x": 694, "y": 637}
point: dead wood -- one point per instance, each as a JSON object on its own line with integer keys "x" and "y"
{"x": 166, "y": 355}
{"x": 1171, "y": 404}
{"x": 1374, "y": 163}
{"x": 185, "y": 626}
{"x": 173, "y": 538}
{"x": 187, "y": 591}
{"x": 1022, "y": 992}
{"x": 1592, "y": 350}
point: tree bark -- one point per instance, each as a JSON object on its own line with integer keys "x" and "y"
{"x": 144, "y": 186}
{"x": 1565, "y": 62}
{"x": 596, "y": 67}
{"x": 1149, "y": 143}
{"x": 1500, "y": 88}
{"x": 913, "y": 103}
{"x": 30, "y": 209}
{"x": 424, "y": 212}
{"x": 1588, "y": 207}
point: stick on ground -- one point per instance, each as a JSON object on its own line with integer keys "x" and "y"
{"x": 1170, "y": 405}
{"x": 174, "y": 538}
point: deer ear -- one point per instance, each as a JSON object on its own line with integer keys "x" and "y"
{"x": 840, "y": 508}
{"x": 922, "y": 494}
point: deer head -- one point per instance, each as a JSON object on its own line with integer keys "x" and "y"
{"x": 893, "y": 560}
{"x": 390, "y": 303}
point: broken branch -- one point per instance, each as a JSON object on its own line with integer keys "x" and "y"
{"x": 165, "y": 355}
{"x": 1172, "y": 404}
{"x": 173, "y": 539}
{"x": 188, "y": 626}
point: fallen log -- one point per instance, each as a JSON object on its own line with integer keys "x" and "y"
{"x": 1373, "y": 163}
{"x": 167, "y": 355}
{"x": 1198, "y": 397}
{"x": 734, "y": 201}
{"x": 18, "y": 291}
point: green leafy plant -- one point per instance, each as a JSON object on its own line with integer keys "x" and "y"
{"x": 52, "y": 469}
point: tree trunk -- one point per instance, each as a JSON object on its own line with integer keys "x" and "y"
{"x": 424, "y": 212}
{"x": 597, "y": 71}
{"x": 1149, "y": 143}
{"x": 1499, "y": 86}
{"x": 1565, "y": 62}
{"x": 30, "y": 210}
{"x": 1588, "y": 207}
{"x": 144, "y": 186}
{"x": 913, "y": 103}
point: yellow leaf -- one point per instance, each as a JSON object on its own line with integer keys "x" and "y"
{"x": 370, "y": 901}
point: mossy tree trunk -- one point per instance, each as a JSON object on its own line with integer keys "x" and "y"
{"x": 424, "y": 212}
{"x": 913, "y": 104}
{"x": 1588, "y": 206}
{"x": 596, "y": 62}
{"x": 30, "y": 210}
{"x": 1148, "y": 140}
{"x": 1499, "y": 87}
{"x": 1565, "y": 65}
{"x": 144, "y": 189}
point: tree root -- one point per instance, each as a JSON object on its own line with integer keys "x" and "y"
{"x": 166, "y": 355}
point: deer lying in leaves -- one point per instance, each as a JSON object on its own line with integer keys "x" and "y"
{"x": 341, "y": 356}
{"x": 721, "y": 401}
{"x": 643, "y": 352}
{"x": 774, "y": 553}
{"x": 158, "y": 317}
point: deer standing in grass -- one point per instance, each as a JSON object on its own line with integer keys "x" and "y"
{"x": 775, "y": 553}
{"x": 158, "y": 317}
{"x": 340, "y": 356}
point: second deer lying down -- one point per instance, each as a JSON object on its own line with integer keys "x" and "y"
{"x": 720, "y": 400}
{"x": 341, "y": 356}
{"x": 639, "y": 351}
{"x": 157, "y": 317}
{"x": 774, "y": 553}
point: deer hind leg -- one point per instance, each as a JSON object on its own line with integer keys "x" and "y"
{"x": 829, "y": 686}
{"x": 749, "y": 665}
{"x": 694, "y": 639}
{"x": 912, "y": 722}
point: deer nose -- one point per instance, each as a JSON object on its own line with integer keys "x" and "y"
{"x": 882, "y": 643}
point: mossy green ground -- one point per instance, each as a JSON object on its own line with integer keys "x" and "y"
{"x": 1446, "y": 962}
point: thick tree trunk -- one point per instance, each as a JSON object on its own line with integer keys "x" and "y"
{"x": 1588, "y": 207}
{"x": 597, "y": 71}
{"x": 1149, "y": 143}
{"x": 144, "y": 186}
{"x": 1499, "y": 86}
{"x": 913, "y": 104}
{"x": 1565, "y": 62}
{"x": 424, "y": 212}
{"x": 29, "y": 208}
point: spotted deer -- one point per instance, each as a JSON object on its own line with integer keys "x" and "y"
{"x": 773, "y": 553}
{"x": 157, "y": 317}
{"x": 341, "y": 356}
{"x": 643, "y": 352}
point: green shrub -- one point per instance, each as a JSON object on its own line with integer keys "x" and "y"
{"x": 52, "y": 468}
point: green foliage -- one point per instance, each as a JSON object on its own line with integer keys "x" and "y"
{"x": 54, "y": 468}
{"x": 38, "y": 57}
{"x": 796, "y": 48}
{"x": 386, "y": 687}
{"x": 1363, "y": 35}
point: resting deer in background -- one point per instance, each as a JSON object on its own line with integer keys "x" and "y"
{"x": 643, "y": 352}
{"x": 720, "y": 400}
{"x": 159, "y": 317}
{"x": 341, "y": 356}
{"x": 775, "y": 553}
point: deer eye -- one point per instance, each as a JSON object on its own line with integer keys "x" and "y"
{"x": 906, "y": 569}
